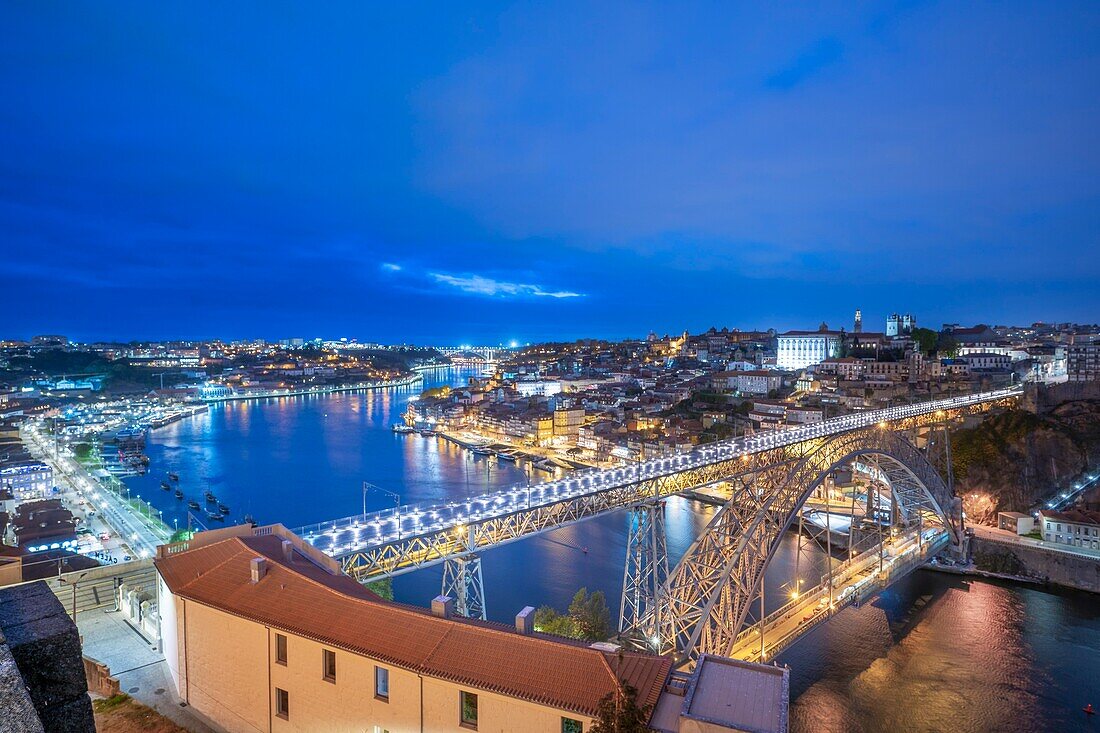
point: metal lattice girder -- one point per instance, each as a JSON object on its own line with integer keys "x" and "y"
{"x": 401, "y": 556}
{"x": 710, "y": 592}
{"x": 645, "y": 572}
{"x": 462, "y": 581}
{"x": 493, "y": 521}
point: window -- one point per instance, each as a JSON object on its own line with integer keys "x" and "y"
{"x": 568, "y": 725}
{"x": 280, "y": 649}
{"x": 282, "y": 703}
{"x": 382, "y": 683}
{"x": 467, "y": 704}
{"x": 328, "y": 658}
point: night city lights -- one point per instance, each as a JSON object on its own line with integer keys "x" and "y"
{"x": 556, "y": 368}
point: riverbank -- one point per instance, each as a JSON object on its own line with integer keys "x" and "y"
{"x": 317, "y": 391}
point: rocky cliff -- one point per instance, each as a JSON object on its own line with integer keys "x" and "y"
{"x": 1013, "y": 459}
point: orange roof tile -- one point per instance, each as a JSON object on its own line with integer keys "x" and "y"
{"x": 304, "y": 599}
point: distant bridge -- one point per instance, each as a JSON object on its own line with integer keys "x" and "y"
{"x": 703, "y": 604}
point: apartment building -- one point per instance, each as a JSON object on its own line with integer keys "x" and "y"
{"x": 261, "y": 632}
{"x": 1074, "y": 527}
{"x": 1083, "y": 362}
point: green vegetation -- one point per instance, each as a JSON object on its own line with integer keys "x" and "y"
{"x": 82, "y": 451}
{"x": 987, "y": 445}
{"x": 588, "y": 618}
{"x": 109, "y": 703}
{"x": 619, "y": 712}
{"x": 181, "y": 535}
{"x": 444, "y": 391}
{"x": 926, "y": 340}
{"x": 383, "y": 587}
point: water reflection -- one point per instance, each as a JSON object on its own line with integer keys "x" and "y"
{"x": 934, "y": 653}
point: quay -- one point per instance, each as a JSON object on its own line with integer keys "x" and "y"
{"x": 358, "y": 387}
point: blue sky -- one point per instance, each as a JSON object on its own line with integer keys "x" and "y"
{"x": 450, "y": 172}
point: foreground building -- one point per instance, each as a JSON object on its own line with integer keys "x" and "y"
{"x": 261, "y": 632}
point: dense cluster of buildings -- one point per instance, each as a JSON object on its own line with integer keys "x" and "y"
{"x": 603, "y": 401}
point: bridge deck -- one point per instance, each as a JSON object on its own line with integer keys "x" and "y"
{"x": 533, "y": 508}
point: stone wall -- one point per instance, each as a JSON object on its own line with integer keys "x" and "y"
{"x": 45, "y": 646}
{"x": 1050, "y": 566}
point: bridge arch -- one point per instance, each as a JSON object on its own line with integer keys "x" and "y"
{"x": 708, "y": 596}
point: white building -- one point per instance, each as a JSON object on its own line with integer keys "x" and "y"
{"x": 538, "y": 387}
{"x": 1076, "y": 528}
{"x": 800, "y": 349}
{"x": 758, "y": 381}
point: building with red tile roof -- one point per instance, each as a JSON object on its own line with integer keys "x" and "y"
{"x": 249, "y": 621}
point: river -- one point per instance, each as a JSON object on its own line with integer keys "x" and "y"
{"x": 933, "y": 653}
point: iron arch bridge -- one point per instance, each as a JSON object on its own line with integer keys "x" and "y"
{"x": 703, "y": 604}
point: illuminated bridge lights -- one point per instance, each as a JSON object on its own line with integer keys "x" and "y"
{"x": 410, "y": 536}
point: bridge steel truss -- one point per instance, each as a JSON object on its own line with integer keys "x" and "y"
{"x": 703, "y": 603}
{"x": 709, "y": 594}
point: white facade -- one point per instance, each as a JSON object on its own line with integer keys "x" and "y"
{"x": 798, "y": 349}
{"x": 1063, "y": 530}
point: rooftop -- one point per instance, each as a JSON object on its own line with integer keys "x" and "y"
{"x": 305, "y": 599}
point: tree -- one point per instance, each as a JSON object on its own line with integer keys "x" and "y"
{"x": 926, "y": 339}
{"x": 383, "y": 587}
{"x": 947, "y": 345}
{"x": 619, "y": 712}
{"x": 550, "y": 621}
{"x": 590, "y": 615}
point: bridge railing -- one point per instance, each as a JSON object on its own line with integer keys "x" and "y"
{"x": 601, "y": 480}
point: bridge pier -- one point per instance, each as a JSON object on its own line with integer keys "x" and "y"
{"x": 645, "y": 573}
{"x": 462, "y": 582}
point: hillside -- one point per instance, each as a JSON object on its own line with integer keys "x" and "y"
{"x": 1013, "y": 459}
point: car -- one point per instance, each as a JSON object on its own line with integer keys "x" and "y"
{"x": 127, "y": 558}
{"x": 104, "y": 536}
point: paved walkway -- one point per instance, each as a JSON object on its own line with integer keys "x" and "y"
{"x": 140, "y": 669}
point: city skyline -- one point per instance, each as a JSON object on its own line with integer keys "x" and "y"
{"x": 513, "y": 172}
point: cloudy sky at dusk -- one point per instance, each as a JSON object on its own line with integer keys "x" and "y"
{"x": 443, "y": 173}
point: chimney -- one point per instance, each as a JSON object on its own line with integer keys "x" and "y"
{"x": 288, "y": 551}
{"x": 443, "y": 606}
{"x": 525, "y": 621}
{"x": 259, "y": 568}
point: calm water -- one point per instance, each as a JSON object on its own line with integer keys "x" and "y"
{"x": 935, "y": 653}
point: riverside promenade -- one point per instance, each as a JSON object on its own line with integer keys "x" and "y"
{"x": 291, "y": 392}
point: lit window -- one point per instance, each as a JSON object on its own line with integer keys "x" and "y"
{"x": 329, "y": 665}
{"x": 282, "y": 703}
{"x": 382, "y": 683}
{"x": 467, "y": 704}
{"x": 280, "y": 649}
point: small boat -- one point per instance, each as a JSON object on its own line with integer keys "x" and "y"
{"x": 194, "y": 505}
{"x": 402, "y": 428}
{"x": 216, "y": 516}
{"x": 506, "y": 457}
{"x": 179, "y": 494}
{"x": 210, "y": 498}
{"x": 1089, "y": 710}
{"x": 165, "y": 485}
{"x": 481, "y": 451}
{"x": 427, "y": 433}
{"x": 174, "y": 476}
{"x": 223, "y": 509}
{"x": 249, "y": 519}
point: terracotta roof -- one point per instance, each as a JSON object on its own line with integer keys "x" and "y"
{"x": 1079, "y": 516}
{"x": 303, "y": 599}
